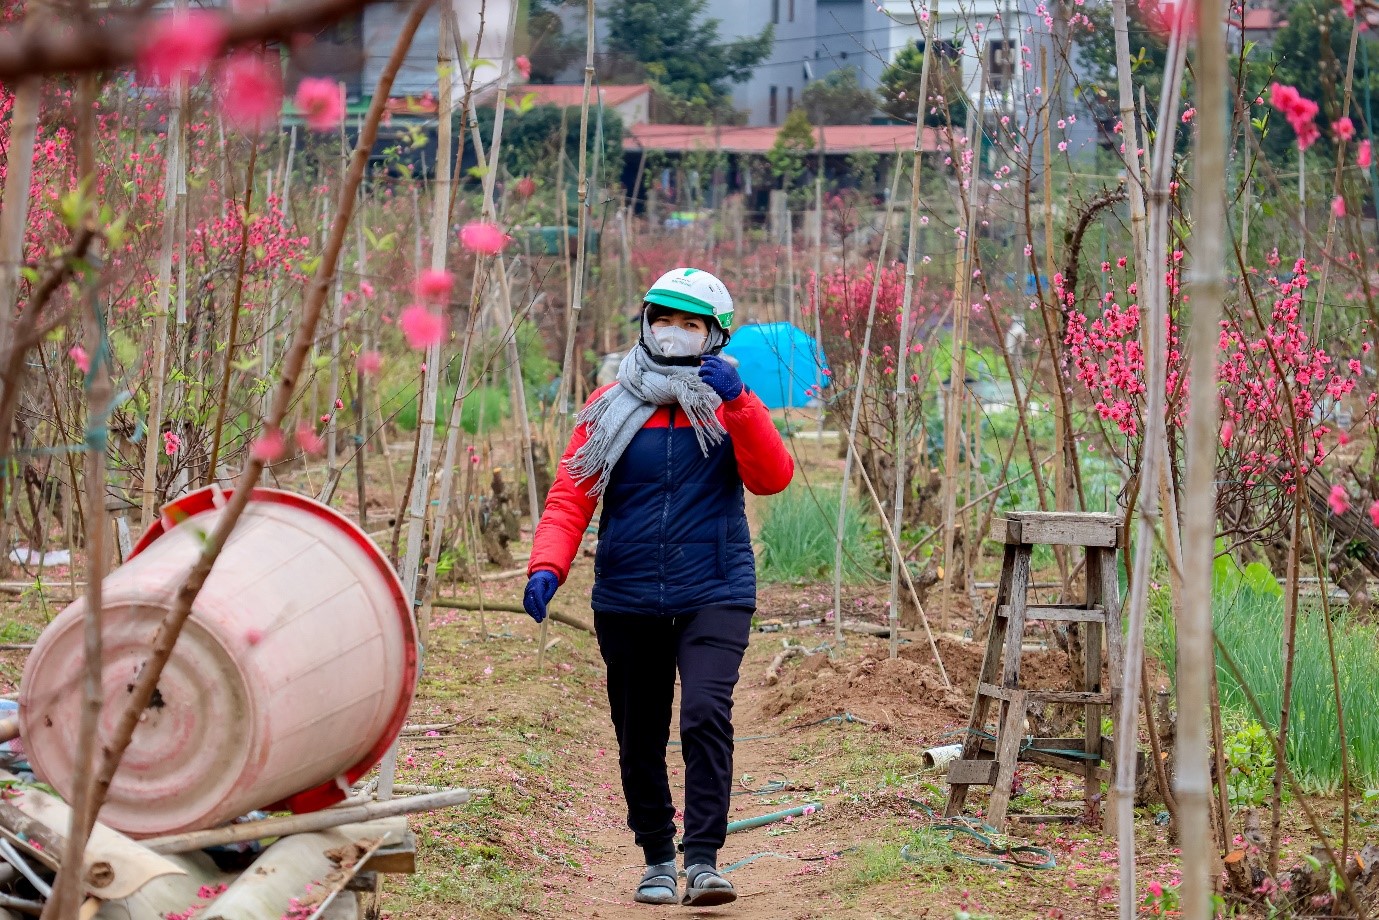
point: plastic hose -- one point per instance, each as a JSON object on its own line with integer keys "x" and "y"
{"x": 759, "y": 820}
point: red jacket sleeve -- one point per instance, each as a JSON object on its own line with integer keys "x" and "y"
{"x": 764, "y": 464}
{"x": 569, "y": 509}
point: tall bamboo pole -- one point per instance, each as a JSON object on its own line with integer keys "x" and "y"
{"x": 490, "y": 163}
{"x": 1195, "y": 656}
{"x": 173, "y": 165}
{"x": 957, "y": 375}
{"x": 567, "y": 366}
{"x": 902, "y": 376}
{"x": 1154, "y": 439}
{"x": 858, "y": 391}
{"x": 1130, "y": 135}
{"x": 440, "y": 226}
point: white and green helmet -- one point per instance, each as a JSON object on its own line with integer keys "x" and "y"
{"x": 693, "y": 291}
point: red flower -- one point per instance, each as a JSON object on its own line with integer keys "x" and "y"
{"x": 269, "y": 446}
{"x": 523, "y": 64}
{"x": 526, "y": 187}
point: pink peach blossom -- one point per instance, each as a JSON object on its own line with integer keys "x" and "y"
{"x": 523, "y": 64}
{"x": 1227, "y": 433}
{"x": 80, "y": 358}
{"x": 309, "y": 441}
{"x": 434, "y": 286}
{"x": 251, "y": 91}
{"x": 1363, "y": 156}
{"x": 269, "y": 446}
{"x": 1344, "y": 128}
{"x": 182, "y": 44}
{"x": 322, "y": 103}
{"x": 1338, "y": 500}
{"x": 483, "y": 238}
{"x": 1338, "y": 206}
{"x": 369, "y": 363}
{"x": 422, "y": 327}
{"x": 1374, "y": 513}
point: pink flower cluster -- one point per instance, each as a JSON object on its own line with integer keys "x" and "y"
{"x": 1271, "y": 380}
{"x": 1300, "y": 111}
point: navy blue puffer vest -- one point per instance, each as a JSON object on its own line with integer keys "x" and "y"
{"x": 673, "y": 536}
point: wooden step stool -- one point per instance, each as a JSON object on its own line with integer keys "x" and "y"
{"x": 987, "y": 762}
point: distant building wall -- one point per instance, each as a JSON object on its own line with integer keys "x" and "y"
{"x": 775, "y": 85}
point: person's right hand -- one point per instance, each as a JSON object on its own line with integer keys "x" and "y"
{"x": 540, "y": 589}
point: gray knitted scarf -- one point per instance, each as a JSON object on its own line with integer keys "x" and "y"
{"x": 643, "y": 385}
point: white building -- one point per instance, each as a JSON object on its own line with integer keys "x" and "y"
{"x": 775, "y": 85}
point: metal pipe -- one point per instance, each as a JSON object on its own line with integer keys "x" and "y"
{"x": 19, "y": 862}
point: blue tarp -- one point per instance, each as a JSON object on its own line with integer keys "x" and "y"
{"x": 779, "y": 362}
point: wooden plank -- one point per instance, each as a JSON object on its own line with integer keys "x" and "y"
{"x": 1075, "y": 697}
{"x": 1091, "y": 653}
{"x": 1007, "y": 753}
{"x": 394, "y": 859}
{"x": 981, "y": 705}
{"x": 971, "y": 773}
{"x": 1073, "y": 613}
{"x": 1103, "y": 532}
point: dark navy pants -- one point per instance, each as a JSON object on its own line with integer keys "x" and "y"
{"x": 642, "y": 653}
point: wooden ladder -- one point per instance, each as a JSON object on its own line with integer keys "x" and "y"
{"x": 989, "y": 758}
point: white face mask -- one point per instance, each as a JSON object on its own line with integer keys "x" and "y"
{"x": 675, "y": 342}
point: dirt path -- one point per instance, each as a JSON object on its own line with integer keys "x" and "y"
{"x": 551, "y": 840}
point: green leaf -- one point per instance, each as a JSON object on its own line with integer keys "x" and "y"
{"x": 477, "y": 172}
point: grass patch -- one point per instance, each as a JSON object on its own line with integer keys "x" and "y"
{"x": 797, "y": 538}
{"x": 1247, "y": 611}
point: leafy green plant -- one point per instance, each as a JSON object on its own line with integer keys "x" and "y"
{"x": 1250, "y": 765}
{"x": 797, "y": 538}
{"x": 1247, "y": 613}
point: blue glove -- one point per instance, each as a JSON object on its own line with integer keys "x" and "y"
{"x": 540, "y": 589}
{"x": 721, "y": 376}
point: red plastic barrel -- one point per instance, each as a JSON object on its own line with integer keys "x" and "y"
{"x": 290, "y": 680}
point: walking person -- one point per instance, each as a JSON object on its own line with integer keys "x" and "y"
{"x": 668, "y": 448}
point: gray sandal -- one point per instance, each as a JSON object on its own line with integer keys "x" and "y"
{"x": 704, "y": 887}
{"x": 660, "y": 884}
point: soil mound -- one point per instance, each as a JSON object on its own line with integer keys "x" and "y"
{"x": 877, "y": 689}
{"x": 908, "y": 690}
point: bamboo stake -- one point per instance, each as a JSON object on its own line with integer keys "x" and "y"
{"x": 902, "y": 376}
{"x": 13, "y": 220}
{"x": 860, "y": 386}
{"x": 212, "y": 469}
{"x": 1336, "y": 186}
{"x": 1195, "y": 657}
{"x": 67, "y": 891}
{"x": 165, "y": 637}
{"x": 173, "y": 166}
{"x": 1154, "y": 439}
{"x": 490, "y": 163}
{"x": 420, "y": 492}
{"x": 567, "y": 366}
{"x": 1130, "y": 136}
{"x": 304, "y": 824}
{"x": 270, "y": 336}
{"x": 957, "y": 374}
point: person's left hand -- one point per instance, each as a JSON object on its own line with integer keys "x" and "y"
{"x": 721, "y": 376}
